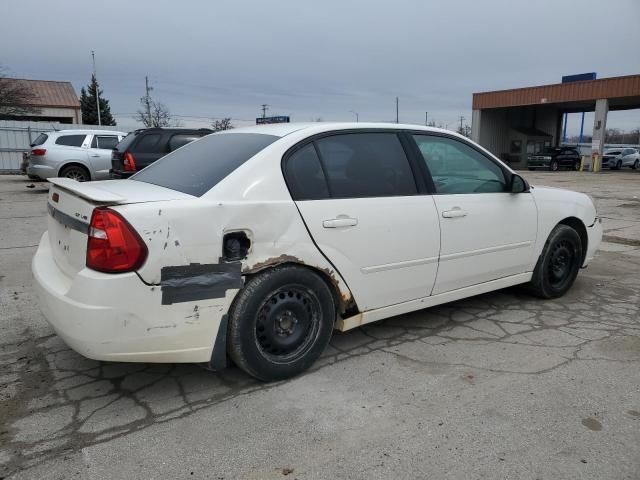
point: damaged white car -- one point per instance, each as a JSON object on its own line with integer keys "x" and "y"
{"x": 255, "y": 243}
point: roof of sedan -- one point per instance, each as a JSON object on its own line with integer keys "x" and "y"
{"x": 283, "y": 129}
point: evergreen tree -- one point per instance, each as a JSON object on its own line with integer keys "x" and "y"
{"x": 88, "y": 105}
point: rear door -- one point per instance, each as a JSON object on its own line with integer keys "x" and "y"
{"x": 149, "y": 147}
{"x": 100, "y": 151}
{"x": 358, "y": 196}
{"x": 69, "y": 148}
{"x": 486, "y": 232}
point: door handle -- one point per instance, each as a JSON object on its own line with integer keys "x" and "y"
{"x": 455, "y": 212}
{"x": 95, "y": 156}
{"x": 340, "y": 221}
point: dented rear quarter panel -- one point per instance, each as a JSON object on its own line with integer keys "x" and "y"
{"x": 253, "y": 199}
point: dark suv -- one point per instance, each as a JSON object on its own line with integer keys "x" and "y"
{"x": 553, "y": 158}
{"x": 143, "y": 147}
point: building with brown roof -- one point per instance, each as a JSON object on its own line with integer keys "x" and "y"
{"x": 513, "y": 124}
{"x": 55, "y": 101}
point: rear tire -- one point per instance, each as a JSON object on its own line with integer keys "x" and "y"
{"x": 554, "y": 166}
{"x": 558, "y": 265}
{"x": 76, "y": 172}
{"x": 280, "y": 323}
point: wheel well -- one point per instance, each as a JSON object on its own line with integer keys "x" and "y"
{"x": 579, "y": 227}
{"x": 75, "y": 164}
{"x": 345, "y": 305}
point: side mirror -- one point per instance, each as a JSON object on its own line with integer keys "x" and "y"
{"x": 518, "y": 184}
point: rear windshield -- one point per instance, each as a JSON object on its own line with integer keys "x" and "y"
{"x": 199, "y": 166}
{"x": 125, "y": 142}
{"x": 40, "y": 140}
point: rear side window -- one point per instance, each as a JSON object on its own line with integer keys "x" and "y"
{"x": 366, "y": 165}
{"x": 40, "y": 140}
{"x": 148, "y": 144}
{"x": 126, "y": 142}
{"x": 70, "y": 140}
{"x": 199, "y": 166}
{"x": 304, "y": 175}
{"x": 179, "y": 140}
{"x": 104, "y": 141}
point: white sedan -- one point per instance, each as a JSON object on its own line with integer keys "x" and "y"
{"x": 257, "y": 242}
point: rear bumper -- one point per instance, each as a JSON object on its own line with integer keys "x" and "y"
{"x": 120, "y": 174}
{"x": 42, "y": 171}
{"x": 120, "y": 318}
{"x": 594, "y": 234}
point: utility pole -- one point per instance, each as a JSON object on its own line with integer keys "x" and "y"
{"x": 93, "y": 57}
{"x": 426, "y": 119}
{"x": 356, "y": 114}
{"x": 265, "y": 107}
{"x": 461, "y": 120}
{"x": 147, "y": 101}
{"x": 397, "y": 112}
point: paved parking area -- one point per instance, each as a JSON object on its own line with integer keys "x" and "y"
{"x": 497, "y": 386}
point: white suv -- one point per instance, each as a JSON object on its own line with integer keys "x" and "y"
{"x": 82, "y": 155}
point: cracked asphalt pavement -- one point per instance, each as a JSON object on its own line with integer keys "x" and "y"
{"x": 497, "y": 386}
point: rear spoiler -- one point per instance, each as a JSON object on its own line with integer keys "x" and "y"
{"x": 87, "y": 191}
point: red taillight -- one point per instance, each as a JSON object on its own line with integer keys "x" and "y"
{"x": 113, "y": 245}
{"x": 128, "y": 162}
{"x": 37, "y": 152}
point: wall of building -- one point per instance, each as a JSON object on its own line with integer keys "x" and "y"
{"x": 494, "y": 134}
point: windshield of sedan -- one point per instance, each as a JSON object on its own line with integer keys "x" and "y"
{"x": 613, "y": 152}
{"x": 198, "y": 166}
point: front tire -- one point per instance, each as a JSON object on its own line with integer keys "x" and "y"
{"x": 619, "y": 165}
{"x": 554, "y": 166}
{"x": 558, "y": 265}
{"x": 75, "y": 172}
{"x": 280, "y": 322}
{"x": 636, "y": 164}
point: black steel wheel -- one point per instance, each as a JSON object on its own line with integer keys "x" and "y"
{"x": 75, "y": 172}
{"x": 287, "y": 322}
{"x": 558, "y": 264}
{"x": 280, "y": 322}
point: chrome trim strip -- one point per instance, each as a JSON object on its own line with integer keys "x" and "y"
{"x": 404, "y": 264}
{"x": 499, "y": 248}
{"x": 68, "y": 220}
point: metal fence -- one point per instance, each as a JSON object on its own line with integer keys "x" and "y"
{"x": 16, "y": 138}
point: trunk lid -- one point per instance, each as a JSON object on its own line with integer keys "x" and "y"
{"x": 70, "y": 205}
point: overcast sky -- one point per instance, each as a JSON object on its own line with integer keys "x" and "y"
{"x": 324, "y": 59}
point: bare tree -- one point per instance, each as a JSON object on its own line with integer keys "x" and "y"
{"x": 153, "y": 114}
{"x": 223, "y": 124}
{"x": 16, "y": 98}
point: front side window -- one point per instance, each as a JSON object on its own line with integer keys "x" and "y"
{"x": 458, "y": 168}
{"x": 71, "y": 140}
{"x": 199, "y": 166}
{"x": 108, "y": 142}
{"x": 366, "y": 165}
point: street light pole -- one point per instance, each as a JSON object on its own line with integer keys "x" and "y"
{"x": 93, "y": 57}
{"x": 356, "y": 114}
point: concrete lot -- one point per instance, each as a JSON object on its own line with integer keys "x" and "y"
{"x": 497, "y": 386}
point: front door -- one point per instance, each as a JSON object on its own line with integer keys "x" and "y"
{"x": 487, "y": 233}
{"x": 359, "y": 199}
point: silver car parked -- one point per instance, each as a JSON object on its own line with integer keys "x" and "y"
{"x": 621, "y": 157}
{"x": 79, "y": 154}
